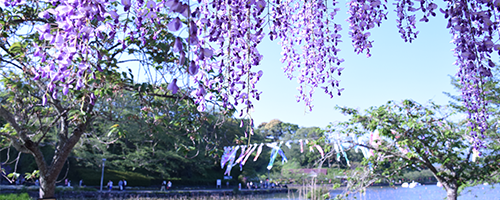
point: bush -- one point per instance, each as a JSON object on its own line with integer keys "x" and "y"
{"x": 93, "y": 177}
{"x": 22, "y": 196}
{"x": 195, "y": 182}
{"x": 319, "y": 193}
{"x": 90, "y": 189}
{"x": 419, "y": 176}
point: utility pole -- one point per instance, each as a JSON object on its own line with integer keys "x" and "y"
{"x": 102, "y": 174}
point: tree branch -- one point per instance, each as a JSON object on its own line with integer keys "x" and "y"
{"x": 13, "y": 56}
{"x": 10, "y": 118}
{"x": 48, "y": 127}
{"x": 10, "y": 62}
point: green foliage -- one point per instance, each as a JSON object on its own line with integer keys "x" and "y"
{"x": 32, "y": 176}
{"x": 13, "y": 175}
{"x": 236, "y": 190}
{"x": 93, "y": 177}
{"x": 419, "y": 176}
{"x": 163, "y": 140}
{"x": 22, "y": 196}
{"x": 276, "y": 129}
{"x": 417, "y": 137}
{"x": 89, "y": 189}
{"x": 318, "y": 193}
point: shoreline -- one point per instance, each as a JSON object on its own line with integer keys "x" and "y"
{"x": 125, "y": 194}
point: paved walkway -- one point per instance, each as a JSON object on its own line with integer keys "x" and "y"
{"x": 150, "y": 190}
{"x": 69, "y": 193}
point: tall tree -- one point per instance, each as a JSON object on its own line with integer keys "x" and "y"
{"x": 66, "y": 100}
{"x": 276, "y": 129}
{"x": 163, "y": 137}
{"x": 412, "y": 136}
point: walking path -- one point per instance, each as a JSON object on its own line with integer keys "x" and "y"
{"x": 68, "y": 192}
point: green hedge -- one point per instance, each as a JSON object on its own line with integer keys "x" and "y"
{"x": 195, "y": 182}
{"x": 92, "y": 177}
{"x": 22, "y": 196}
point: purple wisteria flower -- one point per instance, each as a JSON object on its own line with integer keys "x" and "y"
{"x": 193, "y": 68}
{"x": 177, "y": 45}
{"x": 173, "y": 86}
{"x": 126, "y": 5}
{"x": 182, "y": 58}
{"x": 175, "y": 24}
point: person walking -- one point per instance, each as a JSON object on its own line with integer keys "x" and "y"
{"x": 169, "y": 185}
{"x": 124, "y": 184}
{"x": 163, "y": 184}
{"x": 110, "y": 185}
{"x": 120, "y": 185}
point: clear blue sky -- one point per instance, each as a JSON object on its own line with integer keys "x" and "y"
{"x": 396, "y": 70}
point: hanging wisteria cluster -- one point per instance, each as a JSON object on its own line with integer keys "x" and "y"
{"x": 474, "y": 25}
{"x": 309, "y": 39}
{"x": 234, "y": 28}
{"x": 216, "y": 42}
{"x": 363, "y": 16}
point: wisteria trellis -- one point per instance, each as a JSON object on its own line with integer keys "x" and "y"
{"x": 222, "y": 36}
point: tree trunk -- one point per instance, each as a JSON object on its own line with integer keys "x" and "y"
{"x": 451, "y": 194}
{"x": 47, "y": 187}
{"x": 48, "y": 177}
{"x": 451, "y": 190}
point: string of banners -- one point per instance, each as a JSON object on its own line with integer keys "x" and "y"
{"x": 229, "y": 157}
{"x": 374, "y": 140}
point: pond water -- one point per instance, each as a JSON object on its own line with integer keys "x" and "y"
{"x": 423, "y": 192}
{"x": 427, "y": 192}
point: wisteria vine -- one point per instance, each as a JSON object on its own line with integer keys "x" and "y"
{"x": 216, "y": 42}
{"x": 474, "y": 26}
{"x": 309, "y": 41}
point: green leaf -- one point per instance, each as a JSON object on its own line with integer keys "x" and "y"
{"x": 16, "y": 48}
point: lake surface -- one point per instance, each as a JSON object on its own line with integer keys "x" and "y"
{"x": 427, "y": 192}
{"x": 424, "y": 192}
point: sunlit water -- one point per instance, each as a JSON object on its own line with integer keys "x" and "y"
{"x": 426, "y": 192}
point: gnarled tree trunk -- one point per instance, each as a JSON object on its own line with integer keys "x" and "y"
{"x": 47, "y": 187}
{"x": 48, "y": 171}
{"x": 451, "y": 190}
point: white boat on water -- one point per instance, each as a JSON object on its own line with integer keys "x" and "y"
{"x": 413, "y": 184}
{"x": 405, "y": 185}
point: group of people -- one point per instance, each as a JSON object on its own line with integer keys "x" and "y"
{"x": 164, "y": 183}
{"x": 121, "y": 184}
{"x": 265, "y": 184}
